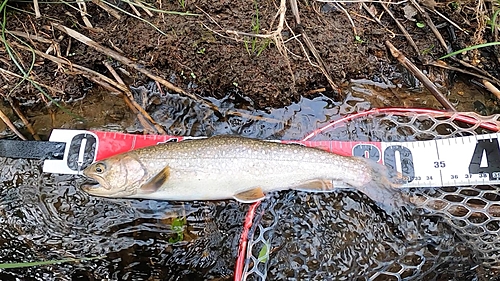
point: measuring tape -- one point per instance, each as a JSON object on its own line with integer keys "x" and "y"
{"x": 470, "y": 160}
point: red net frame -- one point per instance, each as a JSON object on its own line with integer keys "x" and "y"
{"x": 488, "y": 123}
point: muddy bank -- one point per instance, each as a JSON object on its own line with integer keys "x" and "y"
{"x": 199, "y": 53}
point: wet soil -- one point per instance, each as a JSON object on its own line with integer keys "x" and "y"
{"x": 197, "y": 53}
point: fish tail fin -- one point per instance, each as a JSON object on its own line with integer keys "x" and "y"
{"x": 383, "y": 186}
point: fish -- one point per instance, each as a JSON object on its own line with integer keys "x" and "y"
{"x": 230, "y": 167}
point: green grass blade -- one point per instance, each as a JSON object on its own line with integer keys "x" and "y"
{"x": 494, "y": 20}
{"x": 39, "y": 263}
{"x": 470, "y": 48}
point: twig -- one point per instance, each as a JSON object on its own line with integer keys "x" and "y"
{"x": 107, "y": 8}
{"x": 448, "y": 20}
{"x": 401, "y": 27}
{"x": 494, "y": 90}
{"x": 30, "y": 36}
{"x": 115, "y": 55}
{"x": 321, "y": 64}
{"x": 15, "y": 106}
{"x": 348, "y": 17}
{"x": 137, "y": 13}
{"x": 4, "y": 71}
{"x": 310, "y": 46}
{"x": 113, "y": 72}
{"x": 146, "y": 125}
{"x": 444, "y": 65}
{"x": 144, "y": 8}
{"x": 11, "y": 126}
{"x": 296, "y": 38}
{"x": 68, "y": 48}
{"x": 319, "y": 90}
{"x": 129, "y": 95}
{"x": 37, "y": 9}
{"x": 431, "y": 25}
{"x": 83, "y": 12}
{"x": 482, "y": 71}
{"x": 89, "y": 73}
{"x": 420, "y": 76}
{"x": 369, "y": 11}
{"x": 95, "y": 76}
{"x": 281, "y": 13}
{"x": 295, "y": 11}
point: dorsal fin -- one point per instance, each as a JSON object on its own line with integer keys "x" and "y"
{"x": 156, "y": 182}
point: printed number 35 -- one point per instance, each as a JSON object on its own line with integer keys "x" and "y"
{"x": 439, "y": 164}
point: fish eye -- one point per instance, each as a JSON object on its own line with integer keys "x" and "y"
{"x": 100, "y": 168}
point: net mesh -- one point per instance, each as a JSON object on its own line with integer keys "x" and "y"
{"x": 449, "y": 233}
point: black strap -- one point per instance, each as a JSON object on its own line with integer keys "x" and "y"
{"x": 32, "y": 149}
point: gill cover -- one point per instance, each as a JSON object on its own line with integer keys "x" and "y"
{"x": 117, "y": 176}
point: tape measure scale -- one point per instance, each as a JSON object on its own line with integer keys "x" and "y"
{"x": 469, "y": 160}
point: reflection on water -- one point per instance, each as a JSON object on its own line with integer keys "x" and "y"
{"x": 46, "y": 216}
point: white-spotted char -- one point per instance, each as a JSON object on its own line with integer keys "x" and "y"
{"x": 227, "y": 167}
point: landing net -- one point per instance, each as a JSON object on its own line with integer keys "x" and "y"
{"x": 454, "y": 233}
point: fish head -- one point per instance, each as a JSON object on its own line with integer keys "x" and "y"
{"x": 119, "y": 176}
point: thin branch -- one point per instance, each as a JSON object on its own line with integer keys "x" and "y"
{"x": 129, "y": 95}
{"x": 15, "y": 106}
{"x": 348, "y": 17}
{"x": 312, "y": 48}
{"x": 370, "y": 12}
{"x": 431, "y": 25}
{"x": 115, "y": 55}
{"x": 107, "y": 8}
{"x": 420, "y": 76}
{"x": 401, "y": 27}
{"x": 83, "y": 12}
{"x": 448, "y": 20}
{"x": 11, "y": 126}
{"x": 4, "y": 71}
{"x": 444, "y": 65}
{"x": 494, "y": 90}
{"x": 37, "y": 9}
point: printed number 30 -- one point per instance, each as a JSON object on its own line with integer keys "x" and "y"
{"x": 439, "y": 164}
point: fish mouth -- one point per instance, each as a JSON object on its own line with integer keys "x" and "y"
{"x": 97, "y": 186}
{"x": 97, "y": 189}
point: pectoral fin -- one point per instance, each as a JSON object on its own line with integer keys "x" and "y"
{"x": 250, "y": 196}
{"x": 156, "y": 182}
{"x": 317, "y": 185}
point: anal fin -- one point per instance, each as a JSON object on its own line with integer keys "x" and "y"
{"x": 316, "y": 185}
{"x": 156, "y": 182}
{"x": 250, "y": 196}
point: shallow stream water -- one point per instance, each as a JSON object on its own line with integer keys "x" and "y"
{"x": 341, "y": 236}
